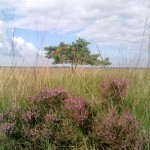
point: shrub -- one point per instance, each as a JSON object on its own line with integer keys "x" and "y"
{"x": 76, "y": 108}
{"x": 43, "y": 121}
{"x": 80, "y": 112}
{"x": 47, "y": 100}
{"x": 31, "y": 117}
{"x": 48, "y": 95}
{"x": 10, "y": 122}
{"x": 116, "y": 131}
{"x": 114, "y": 90}
{"x": 7, "y": 128}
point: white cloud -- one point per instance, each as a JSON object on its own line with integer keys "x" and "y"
{"x": 24, "y": 48}
{"x": 21, "y": 53}
{"x": 4, "y": 39}
{"x": 112, "y": 22}
{"x": 28, "y": 55}
{"x": 98, "y": 19}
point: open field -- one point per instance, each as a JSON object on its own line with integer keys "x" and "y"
{"x": 16, "y": 84}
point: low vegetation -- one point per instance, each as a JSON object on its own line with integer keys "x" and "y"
{"x": 105, "y": 109}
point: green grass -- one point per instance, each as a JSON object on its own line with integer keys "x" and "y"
{"x": 18, "y": 83}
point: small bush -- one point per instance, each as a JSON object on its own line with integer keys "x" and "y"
{"x": 116, "y": 131}
{"x": 114, "y": 90}
{"x": 10, "y": 122}
{"x": 80, "y": 113}
{"x": 43, "y": 121}
{"x": 7, "y": 128}
{"x": 76, "y": 108}
{"x": 46, "y": 99}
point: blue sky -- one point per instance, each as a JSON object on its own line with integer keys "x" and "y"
{"x": 119, "y": 29}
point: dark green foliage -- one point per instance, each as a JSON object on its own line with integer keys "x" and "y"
{"x": 75, "y": 53}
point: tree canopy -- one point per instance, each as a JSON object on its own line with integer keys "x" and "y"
{"x": 75, "y": 53}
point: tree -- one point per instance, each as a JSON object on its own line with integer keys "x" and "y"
{"x": 75, "y": 53}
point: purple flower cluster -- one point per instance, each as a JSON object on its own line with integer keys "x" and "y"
{"x": 7, "y": 128}
{"x": 77, "y": 109}
{"x": 30, "y": 116}
{"x": 48, "y": 95}
{"x": 118, "y": 131}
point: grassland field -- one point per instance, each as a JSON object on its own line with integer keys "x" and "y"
{"x": 16, "y": 84}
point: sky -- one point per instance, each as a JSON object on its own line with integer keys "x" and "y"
{"x": 120, "y": 29}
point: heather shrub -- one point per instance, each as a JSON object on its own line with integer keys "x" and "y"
{"x": 44, "y": 102}
{"x": 80, "y": 113}
{"x": 115, "y": 131}
{"x": 44, "y": 120}
{"x": 52, "y": 117}
{"x": 76, "y": 109}
{"x": 7, "y": 128}
{"x": 10, "y": 122}
{"x": 46, "y": 99}
{"x": 114, "y": 91}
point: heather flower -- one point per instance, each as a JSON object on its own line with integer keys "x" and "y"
{"x": 30, "y": 116}
{"x": 7, "y": 128}
{"x": 77, "y": 109}
{"x": 48, "y": 95}
{"x": 116, "y": 131}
